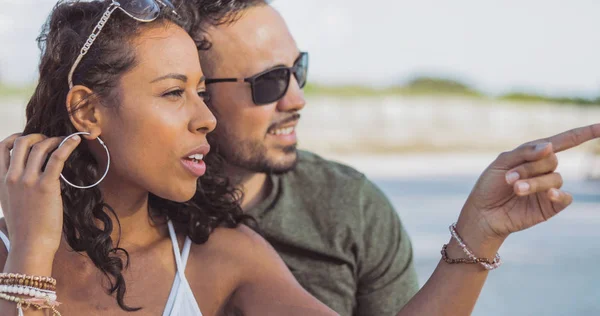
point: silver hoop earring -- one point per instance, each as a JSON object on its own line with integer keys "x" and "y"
{"x": 107, "y": 164}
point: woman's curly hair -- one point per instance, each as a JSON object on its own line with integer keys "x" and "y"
{"x": 215, "y": 203}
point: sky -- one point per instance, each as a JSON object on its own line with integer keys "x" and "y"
{"x": 545, "y": 46}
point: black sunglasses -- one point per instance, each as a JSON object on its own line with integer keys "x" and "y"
{"x": 271, "y": 85}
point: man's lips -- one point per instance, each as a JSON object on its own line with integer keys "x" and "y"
{"x": 285, "y": 127}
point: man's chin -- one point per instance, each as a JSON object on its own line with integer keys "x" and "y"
{"x": 261, "y": 158}
{"x": 283, "y": 161}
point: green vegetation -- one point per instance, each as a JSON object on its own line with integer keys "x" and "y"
{"x": 343, "y": 91}
{"x": 15, "y": 91}
{"x": 427, "y": 86}
{"x": 419, "y": 86}
{"x": 535, "y": 98}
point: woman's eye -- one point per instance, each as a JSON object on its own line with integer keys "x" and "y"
{"x": 204, "y": 95}
{"x": 174, "y": 93}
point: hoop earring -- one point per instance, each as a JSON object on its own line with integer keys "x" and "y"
{"x": 107, "y": 165}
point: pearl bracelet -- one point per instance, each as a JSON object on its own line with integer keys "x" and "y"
{"x": 488, "y": 266}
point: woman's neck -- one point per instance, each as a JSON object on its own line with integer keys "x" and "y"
{"x": 133, "y": 228}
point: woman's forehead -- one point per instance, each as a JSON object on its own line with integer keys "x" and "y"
{"x": 165, "y": 49}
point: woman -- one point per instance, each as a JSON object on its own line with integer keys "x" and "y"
{"x": 136, "y": 90}
{"x": 140, "y": 90}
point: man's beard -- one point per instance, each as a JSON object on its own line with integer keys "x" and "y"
{"x": 252, "y": 155}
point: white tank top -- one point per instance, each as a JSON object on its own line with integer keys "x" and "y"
{"x": 181, "y": 300}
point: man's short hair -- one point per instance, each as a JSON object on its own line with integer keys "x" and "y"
{"x": 218, "y": 12}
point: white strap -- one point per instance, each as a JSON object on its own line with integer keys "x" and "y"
{"x": 185, "y": 254}
{"x": 5, "y": 240}
{"x": 180, "y": 266}
{"x": 180, "y": 284}
{"x": 172, "y": 296}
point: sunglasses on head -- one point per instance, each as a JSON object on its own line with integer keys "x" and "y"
{"x": 139, "y": 10}
{"x": 271, "y": 85}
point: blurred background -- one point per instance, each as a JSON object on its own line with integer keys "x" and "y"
{"x": 422, "y": 96}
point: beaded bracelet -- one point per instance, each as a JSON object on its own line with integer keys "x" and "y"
{"x": 43, "y": 283}
{"x": 28, "y": 291}
{"x": 43, "y": 279}
{"x": 36, "y": 284}
{"x": 486, "y": 263}
{"x": 24, "y": 304}
{"x": 461, "y": 260}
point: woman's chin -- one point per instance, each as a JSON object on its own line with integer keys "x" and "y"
{"x": 184, "y": 197}
{"x": 184, "y": 194}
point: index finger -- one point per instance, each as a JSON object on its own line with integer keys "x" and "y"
{"x": 574, "y": 137}
{"x": 5, "y": 147}
{"x": 56, "y": 162}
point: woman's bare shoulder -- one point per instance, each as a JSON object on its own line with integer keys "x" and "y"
{"x": 262, "y": 283}
{"x": 236, "y": 244}
{"x": 235, "y": 255}
{"x": 223, "y": 264}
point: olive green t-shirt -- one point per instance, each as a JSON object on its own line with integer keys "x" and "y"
{"x": 340, "y": 237}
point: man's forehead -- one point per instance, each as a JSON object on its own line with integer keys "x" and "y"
{"x": 259, "y": 36}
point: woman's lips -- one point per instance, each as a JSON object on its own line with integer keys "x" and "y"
{"x": 195, "y": 167}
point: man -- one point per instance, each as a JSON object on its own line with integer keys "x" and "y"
{"x": 334, "y": 228}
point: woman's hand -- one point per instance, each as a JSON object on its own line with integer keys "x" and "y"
{"x": 520, "y": 189}
{"x": 31, "y": 197}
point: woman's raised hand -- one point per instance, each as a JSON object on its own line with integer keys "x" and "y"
{"x": 520, "y": 188}
{"x": 30, "y": 196}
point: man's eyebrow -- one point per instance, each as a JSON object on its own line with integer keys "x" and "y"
{"x": 180, "y": 77}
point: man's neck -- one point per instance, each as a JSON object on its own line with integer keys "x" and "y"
{"x": 255, "y": 185}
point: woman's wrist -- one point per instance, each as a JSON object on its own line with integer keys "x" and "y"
{"x": 482, "y": 243}
{"x": 36, "y": 245}
{"x": 32, "y": 261}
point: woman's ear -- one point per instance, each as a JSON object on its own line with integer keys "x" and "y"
{"x": 82, "y": 106}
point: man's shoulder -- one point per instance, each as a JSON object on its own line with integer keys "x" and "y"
{"x": 315, "y": 168}
{"x": 318, "y": 183}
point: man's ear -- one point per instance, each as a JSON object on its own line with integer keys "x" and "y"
{"x": 82, "y": 106}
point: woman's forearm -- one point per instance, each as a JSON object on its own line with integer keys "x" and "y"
{"x": 453, "y": 289}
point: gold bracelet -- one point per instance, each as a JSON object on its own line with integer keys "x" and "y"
{"x": 23, "y": 304}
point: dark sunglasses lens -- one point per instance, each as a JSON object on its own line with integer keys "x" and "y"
{"x": 301, "y": 70}
{"x": 271, "y": 86}
{"x": 142, "y": 10}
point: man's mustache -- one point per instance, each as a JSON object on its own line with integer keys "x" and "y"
{"x": 294, "y": 117}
